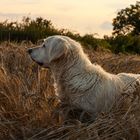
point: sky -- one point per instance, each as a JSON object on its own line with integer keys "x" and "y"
{"x": 79, "y": 16}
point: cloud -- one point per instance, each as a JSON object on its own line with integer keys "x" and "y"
{"x": 118, "y": 5}
{"x": 10, "y": 14}
{"x": 15, "y": 16}
{"x": 106, "y": 25}
{"x": 29, "y": 1}
{"x": 63, "y": 8}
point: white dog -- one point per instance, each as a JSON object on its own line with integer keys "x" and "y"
{"x": 85, "y": 85}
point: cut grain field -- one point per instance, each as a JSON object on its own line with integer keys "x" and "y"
{"x": 29, "y": 109}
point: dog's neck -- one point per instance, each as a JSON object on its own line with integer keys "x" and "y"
{"x": 73, "y": 62}
{"x": 75, "y": 71}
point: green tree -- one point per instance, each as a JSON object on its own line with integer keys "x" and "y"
{"x": 127, "y": 21}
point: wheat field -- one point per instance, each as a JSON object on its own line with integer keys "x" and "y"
{"x": 29, "y": 109}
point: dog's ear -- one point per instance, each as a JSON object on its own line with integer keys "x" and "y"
{"x": 58, "y": 50}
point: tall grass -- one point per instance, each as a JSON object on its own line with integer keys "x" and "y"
{"x": 29, "y": 109}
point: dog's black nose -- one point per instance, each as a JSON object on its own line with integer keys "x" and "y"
{"x": 29, "y": 51}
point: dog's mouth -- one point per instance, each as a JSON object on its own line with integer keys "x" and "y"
{"x": 39, "y": 63}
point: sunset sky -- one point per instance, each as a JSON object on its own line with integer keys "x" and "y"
{"x": 82, "y": 16}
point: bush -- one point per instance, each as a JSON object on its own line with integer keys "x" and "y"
{"x": 90, "y": 41}
{"x": 128, "y": 43}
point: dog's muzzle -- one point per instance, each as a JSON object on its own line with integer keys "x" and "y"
{"x": 30, "y": 51}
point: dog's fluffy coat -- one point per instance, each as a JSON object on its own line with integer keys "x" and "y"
{"x": 83, "y": 84}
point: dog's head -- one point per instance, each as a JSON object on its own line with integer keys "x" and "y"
{"x": 51, "y": 49}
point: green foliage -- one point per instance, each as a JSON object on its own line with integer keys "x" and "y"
{"x": 89, "y": 41}
{"x": 126, "y": 43}
{"x": 29, "y": 29}
{"x": 126, "y": 30}
{"x": 103, "y": 43}
{"x": 127, "y": 20}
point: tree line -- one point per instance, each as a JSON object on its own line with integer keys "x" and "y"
{"x": 125, "y": 36}
{"x": 35, "y": 29}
